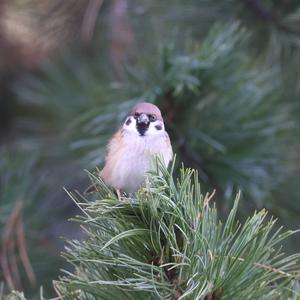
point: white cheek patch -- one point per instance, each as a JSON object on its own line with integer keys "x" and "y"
{"x": 156, "y": 128}
{"x": 130, "y": 125}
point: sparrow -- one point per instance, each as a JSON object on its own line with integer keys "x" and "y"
{"x": 130, "y": 151}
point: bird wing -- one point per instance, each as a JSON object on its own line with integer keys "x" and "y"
{"x": 114, "y": 150}
{"x": 169, "y": 148}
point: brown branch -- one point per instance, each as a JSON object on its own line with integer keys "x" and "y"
{"x": 7, "y": 235}
{"x": 11, "y": 246}
{"x": 168, "y": 108}
{"x": 274, "y": 270}
{"x": 13, "y": 236}
{"x": 263, "y": 266}
{"x": 121, "y": 35}
{"x": 23, "y": 252}
{"x": 260, "y": 11}
{"x": 267, "y": 15}
{"x": 60, "y": 297}
{"x": 209, "y": 197}
{"x": 171, "y": 275}
{"x": 216, "y": 295}
{"x": 5, "y": 267}
{"x": 89, "y": 20}
{"x": 206, "y": 201}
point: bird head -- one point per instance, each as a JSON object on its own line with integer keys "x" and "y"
{"x": 144, "y": 120}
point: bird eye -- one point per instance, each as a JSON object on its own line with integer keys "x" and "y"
{"x": 152, "y": 118}
{"x": 136, "y": 115}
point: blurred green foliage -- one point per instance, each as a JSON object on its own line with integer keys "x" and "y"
{"x": 21, "y": 183}
{"x": 229, "y": 93}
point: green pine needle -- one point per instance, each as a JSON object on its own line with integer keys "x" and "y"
{"x": 167, "y": 242}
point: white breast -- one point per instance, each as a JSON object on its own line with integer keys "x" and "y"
{"x": 131, "y": 167}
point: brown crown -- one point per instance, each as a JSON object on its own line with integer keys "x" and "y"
{"x": 147, "y": 108}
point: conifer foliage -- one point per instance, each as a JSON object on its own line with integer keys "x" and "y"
{"x": 167, "y": 242}
{"x": 226, "y": 77}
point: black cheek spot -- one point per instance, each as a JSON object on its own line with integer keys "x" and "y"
{"x": 128, "y": 122}
{"x": 158, "y": 127}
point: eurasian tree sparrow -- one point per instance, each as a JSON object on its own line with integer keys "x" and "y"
{"x": 131, "y": 149}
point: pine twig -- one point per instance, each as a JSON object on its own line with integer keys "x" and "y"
{"x": 13, "y": 236}
{"x": 208, "y": 198}
{"x": 6, "y": 248}
{"x": 89, "y": 20}
{"x": 23, "y": 252}
{"x": 56, "y": 289}
{"x": 263, "y": 266}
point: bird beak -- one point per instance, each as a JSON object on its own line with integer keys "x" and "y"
{"x": 143, "y": 118}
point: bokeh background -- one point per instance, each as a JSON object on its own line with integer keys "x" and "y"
{"x": 226, "y": 75}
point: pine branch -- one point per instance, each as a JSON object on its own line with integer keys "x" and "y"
{"x": 154, "y": 245}
{"x": 24, "y": 215}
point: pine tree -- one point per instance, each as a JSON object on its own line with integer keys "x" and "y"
{"x": 168, "y": 242}
{"x": 228, "y": 90}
